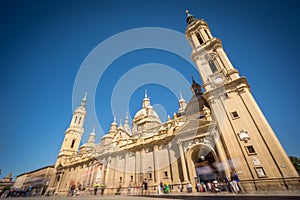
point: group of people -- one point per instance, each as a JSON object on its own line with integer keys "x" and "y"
{"x": 231, "y": 184}
{"x": 79, "y": 189}
{"x": 96, "y": 186}
{"x": 76, "y": 189}
{"x": 163, "y": 188}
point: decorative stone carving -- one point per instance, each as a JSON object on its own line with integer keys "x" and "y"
{"x": 206, "y": 111}
{"x": 244, "y": 136}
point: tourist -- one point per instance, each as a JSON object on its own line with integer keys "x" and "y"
{"x": 180, "y": 188}
{"x": 198, "y": 186}
{"x": 96, "y": 185}
{"x": 189, "y": 188}
{"x": 166, "y": 188}
{"x": 203, "y": 186}
{"x": 228, "y": 184}
{"x": 102, "y": 188}
{"x": 145, "y": 186}
{"x": 234, "y": 183}
{"x": 160, "y": 187}
{"x": 209, "y": 186}
{"x": 236, "y": 176}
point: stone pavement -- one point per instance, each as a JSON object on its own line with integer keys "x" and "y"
{"x": 180, "y": 196}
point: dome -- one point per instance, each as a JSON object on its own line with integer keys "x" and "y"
{"x": 145, "y": 118}
{"x": 147, "y": 111}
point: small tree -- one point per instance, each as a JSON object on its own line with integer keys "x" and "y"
{"x": 296, "y": 162}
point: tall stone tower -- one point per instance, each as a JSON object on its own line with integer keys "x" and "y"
{"x": 74, "y": 133}
{"x": 251, "y": 148}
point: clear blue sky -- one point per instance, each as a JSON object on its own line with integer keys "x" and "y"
{"x": 43, "y": 44}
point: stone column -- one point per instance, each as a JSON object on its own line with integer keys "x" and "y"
{"x": 87, "y": 176}
{"x": 114, "y": 165}
{"x": 125, "y": 168}
{"x": 170, "y": 164}
{"x": 137, "y": 167}
{"x": 204, "y": 35}
{"x": 142, "y": 164}
{"x": 92, "y": 175}
{"x": 59, "y": 182}
{"x": 155, "y": 164}
{"x": 195, "y": 40}
{"x": 222, "y": 154}
{"x": 183, "y": 163}
{"x": 107, "y": 172}
{"x": 174, "y": 166}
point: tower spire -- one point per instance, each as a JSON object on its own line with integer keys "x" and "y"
{"x": 126, "y": 124}
{"x": 83, "y": 101}
{"x": 189, "y": 17}
{"x": 92, "y": 136}
{"x": 180, "y": 94}
{"x": 182, "y": 104}
{"x": 115, "y": 120}
{"x": 196, "y": 88}
{"x": 146, "y": 100}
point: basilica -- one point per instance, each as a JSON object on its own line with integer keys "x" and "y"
{"x": 218, "y": 132}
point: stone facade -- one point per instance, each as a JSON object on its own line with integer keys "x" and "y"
{"x": 35, "y": 182}
{"x": 6, "y": 183}
{"x": 218, "y": 132}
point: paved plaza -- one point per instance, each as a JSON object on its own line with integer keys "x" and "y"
{"x": 179, "y": 196}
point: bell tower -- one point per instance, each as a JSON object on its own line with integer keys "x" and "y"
{"x": 249, "y": 144}
{"x": 73, "y": 133}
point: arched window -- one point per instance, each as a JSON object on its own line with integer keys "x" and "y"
{"x": 73, "y": 142}
{"x": 199, "y": 38}
{"x": 208, "y": 35}
{"x": 79, "y": 120}
{"x": 212, "y": 66}
{"x": 75, "y": 120}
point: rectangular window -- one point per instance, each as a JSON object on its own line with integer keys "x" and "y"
{"x": 131, "y": 178}
{"x": 58, "y": 178}
{"x": 199, "y": 38}
{"x": 260, "y": 172}
{"x": 234, "y": 115}
{"x": 250, "y": 150}
{"x": 150, "y": 175}
{"x": 165, "y": 174}
{"x": 73, "y": 142}
{"x": 212, "y": 66}
{"x": 207, "y": 33}
{"x": 226, "y": 95}
{"x": 121, "y": 179}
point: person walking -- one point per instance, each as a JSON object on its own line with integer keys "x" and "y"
{"x": 145, "y": 187}
{"x": 228, "y": 184}
{"x": 102, "y": 188}
{"x": 160, "y": 186}
{"x": 234, "y": 183}
{"x": 198, "y": 186}
{"x": 96, "y": 185}
{"x": 189, "y": 188}
{"x": 180, "y": 188}
{"x": 236, "y": 176}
